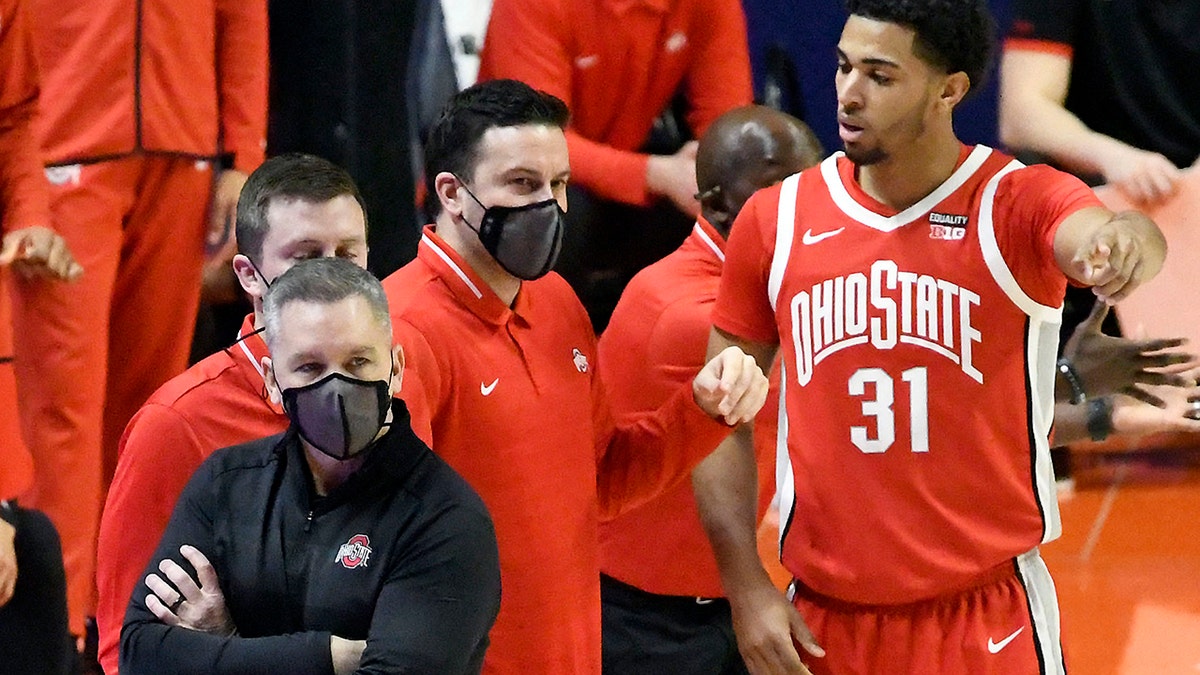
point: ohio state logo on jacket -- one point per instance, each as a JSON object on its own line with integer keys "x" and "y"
{"x": 355, "y": 552}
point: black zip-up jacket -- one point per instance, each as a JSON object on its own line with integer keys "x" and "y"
{"x": 403, "y": 555}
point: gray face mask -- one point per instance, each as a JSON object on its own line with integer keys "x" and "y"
{"x": 338, "y": 414}
{"x": 524, "y": 240}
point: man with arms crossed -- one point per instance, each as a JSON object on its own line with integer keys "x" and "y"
{"x": 915, "y": 287}
{"x": 293, "y": 207}
{"x": 660, "y": 590}
{"x": 343, "y": 545}
{"x": 502, "y": 363}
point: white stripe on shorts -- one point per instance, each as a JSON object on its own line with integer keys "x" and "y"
{"x": 1043, "y": 611}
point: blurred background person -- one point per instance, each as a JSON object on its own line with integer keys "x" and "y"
{"x": 137, "y": 109}
{"x": 33, "y": 602}
{"x": 1105, "y": 89}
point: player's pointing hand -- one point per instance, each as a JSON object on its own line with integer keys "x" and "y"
{"x": 731, "y": 387}
{"x": 1117, "y": 259}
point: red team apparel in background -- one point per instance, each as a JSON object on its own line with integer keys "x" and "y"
{"x": 617, "y": 64}
{"x": 915, "y": 495}
{"x": 137, "y": 101}
{"x": 219, "y": 402}
{"x": 655, "y": 344}
{"x": 510, "y": 398}
{"x": 24, "y": 205}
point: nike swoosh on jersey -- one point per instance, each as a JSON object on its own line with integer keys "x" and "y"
{"x": 810, "y": 238}
{"x": 486, "y": 389}
{"x": 995, "y": 647}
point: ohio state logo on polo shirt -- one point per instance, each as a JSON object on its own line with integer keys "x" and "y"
{"x": 355, "y": 552}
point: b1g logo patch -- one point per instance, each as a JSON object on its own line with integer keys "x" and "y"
{"x": 355, "y": 552}
{"x": 946, "y": 226}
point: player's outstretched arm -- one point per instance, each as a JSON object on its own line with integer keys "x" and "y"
{"x": 1114, "y": 253}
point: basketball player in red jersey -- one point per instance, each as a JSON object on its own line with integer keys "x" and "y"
{"x": 915, "y": 296}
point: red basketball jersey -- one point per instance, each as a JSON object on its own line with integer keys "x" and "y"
{"x": 919, "y": 350}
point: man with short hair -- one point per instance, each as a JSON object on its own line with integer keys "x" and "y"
{"x": 502, "y": 375}
{"x": 663, "y": 609}
{"x": 293, "y": 207}
{"x": 343, "y": 545}
{"x": 915, "y": 285}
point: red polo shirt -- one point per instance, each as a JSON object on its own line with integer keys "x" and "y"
{"x": 617, "y": 64}
{"x": 219, "y": 402}
{"x": 655, "y": 342}
{"x": 510, "y": 398}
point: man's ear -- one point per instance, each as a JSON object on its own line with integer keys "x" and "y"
{"x": 955, "y": 89}
{"x": 269, "y": 379}
{"x": 397, "y": 368}
{"x": 248, "y": 277}
{"x": 717, "y": 213}
{"x": 446, "y": 186}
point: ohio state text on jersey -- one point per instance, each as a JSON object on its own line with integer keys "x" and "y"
{"x": 919, "y": 349}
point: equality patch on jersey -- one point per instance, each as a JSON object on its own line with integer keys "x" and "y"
{"x": 354, "y": 553}
{"x": 947, "y": 226}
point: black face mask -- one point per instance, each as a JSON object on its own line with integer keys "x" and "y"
{"x": 338, "y": 414}
{"x": 525, "y": 240}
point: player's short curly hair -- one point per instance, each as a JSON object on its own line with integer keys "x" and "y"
{"x": 953, "y": 34}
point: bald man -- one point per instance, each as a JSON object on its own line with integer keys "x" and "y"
{"x": 660, "y": 589}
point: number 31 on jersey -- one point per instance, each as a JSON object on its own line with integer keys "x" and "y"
{"x": 880, "y": 407}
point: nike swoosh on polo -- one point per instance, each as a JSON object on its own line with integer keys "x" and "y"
{"x": 995, "y": 647}
{"x": 810, "y": 238}
{"x": 486, "y": 389}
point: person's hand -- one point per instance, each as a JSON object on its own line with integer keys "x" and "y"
{"x": 1113, "y": 261}
{"x": 1146, "y": 177}
{"x": 200, "y": 608}
{"x": 768, "y": 629}
{"x": 1180, "y": 410}
{"x": 223, "y": 214}
{"x": 674, "y": 177}
{"x": 39, "y": 252}
{"x": 730, "y": 387}
{"x": 347, "y": 654}
{"x": 1107, "y": 364}
{"x": 8, "y": 561}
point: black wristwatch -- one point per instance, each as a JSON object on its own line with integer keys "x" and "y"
{"x": 1099, "y": 418}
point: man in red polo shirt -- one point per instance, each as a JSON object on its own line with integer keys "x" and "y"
{"x": 662, "y": 604}
{"x": 640, "y": 78}
{"x": 293, "y": 207}
{"x": 501, "y": 373}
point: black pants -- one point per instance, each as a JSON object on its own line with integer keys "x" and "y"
{"x": 648, "y": 634}
{"x": 33, "y": 625}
